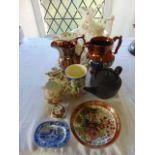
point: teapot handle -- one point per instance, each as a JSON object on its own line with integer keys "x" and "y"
{"x": 118, "y": 70}
{"x": 119, "y": 43}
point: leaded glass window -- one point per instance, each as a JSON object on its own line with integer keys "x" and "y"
{"x": 64, "y": 15}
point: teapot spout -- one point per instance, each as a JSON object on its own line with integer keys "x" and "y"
{"x": 92, "y": 90}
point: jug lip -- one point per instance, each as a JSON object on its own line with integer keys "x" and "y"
{"x": 62, "y": 43}
{"x": 107, "y": 40}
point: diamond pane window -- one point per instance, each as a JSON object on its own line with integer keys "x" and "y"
{"x": 63, "y": 15}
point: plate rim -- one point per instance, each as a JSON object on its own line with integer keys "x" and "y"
{"x": 68, "y": 135}
{"x": 105, "y": 105}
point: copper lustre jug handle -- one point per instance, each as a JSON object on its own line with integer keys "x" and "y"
{"x": 119, "y": 43}
{"x": 84, "y": 41}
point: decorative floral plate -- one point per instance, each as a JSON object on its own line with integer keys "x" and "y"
{"x": 95, "y": 124}
{"x": 52, "y": 134}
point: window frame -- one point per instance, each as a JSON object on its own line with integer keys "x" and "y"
{"x": 42, "y": 27}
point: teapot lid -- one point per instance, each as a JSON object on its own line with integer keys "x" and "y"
{"x": 108, "y": 75}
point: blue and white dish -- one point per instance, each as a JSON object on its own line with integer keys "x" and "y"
{"x": 52, "y": 134}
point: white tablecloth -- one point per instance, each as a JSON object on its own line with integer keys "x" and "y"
{"x": 36, "y": 58}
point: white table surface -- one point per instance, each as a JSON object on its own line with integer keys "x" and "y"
{"x": 36, "y": 58}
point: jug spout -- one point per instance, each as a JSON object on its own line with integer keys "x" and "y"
{"x": 62, "y": 44}
{"x": 55, "y": 44}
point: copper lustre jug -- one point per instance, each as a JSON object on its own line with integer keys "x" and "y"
{"x": 100, "y": 49}
{"x": 68, "y": 55}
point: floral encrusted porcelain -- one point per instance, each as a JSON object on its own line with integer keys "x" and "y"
{"x": 58, "y": 112}
{"x": 52, "y": 134}
{"x": 95, "y": 124}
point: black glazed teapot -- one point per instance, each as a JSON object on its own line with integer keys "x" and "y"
{"x": 105, "y": 83}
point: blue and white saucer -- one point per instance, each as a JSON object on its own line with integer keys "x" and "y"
{"x": 52, "y": 134}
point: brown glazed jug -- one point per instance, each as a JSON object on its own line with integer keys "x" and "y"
{"x": 68, "y": 56}
{"x": 100, "y": 49}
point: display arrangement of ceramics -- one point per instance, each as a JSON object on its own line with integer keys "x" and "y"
{"x": 95, "y": 124}
{"x": 52, "y": 134}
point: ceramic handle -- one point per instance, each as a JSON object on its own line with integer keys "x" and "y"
{"x": 119, "y": 43}
{"x": 84, "y": 41}
{"x": 118, "y": 70}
